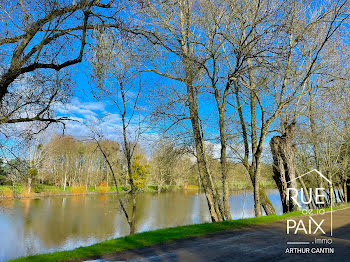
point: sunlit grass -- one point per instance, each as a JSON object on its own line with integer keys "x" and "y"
{"x": 157, "y": 236}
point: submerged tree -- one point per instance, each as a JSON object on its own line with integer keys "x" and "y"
{"x": 116, "y": 74}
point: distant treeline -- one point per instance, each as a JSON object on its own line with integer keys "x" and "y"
{"x": 65, "y": 161}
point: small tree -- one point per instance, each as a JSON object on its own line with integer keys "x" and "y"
{"x": 139, "y": 173}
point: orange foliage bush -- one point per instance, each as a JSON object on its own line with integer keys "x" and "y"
{"x": 7, "y": 193}
{"x": 102, "y": 188}
{"x": 80, "y": 189}
{"x": 26, "y": 194}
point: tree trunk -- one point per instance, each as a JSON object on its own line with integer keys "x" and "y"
{"x": 132, "y": 223}
{"x": 341, "y": 195}
{"x": 347, "y": 189}
{"x": 223, "y": 161}
{"x": 279, "y": 173}
{"x": 306, "y": 193}
{"x": 65, "y": 181}
{"x": 29, "y": 184}
{"x": 266, "y": 203}
{"x": 314, "y": 141}
{"x": 211, "y": 196}
{"x": 283, "y": 167}
{"x": 191, "y": 69}
{"x": 345, "y": 192}
{"x": 223, "y": 158}
{"x": 256, "y": 184}
{"x": 160, "y": 182}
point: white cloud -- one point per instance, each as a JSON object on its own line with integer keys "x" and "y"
{"x": 85, "y": 109}
{"x": 87, "y": 116}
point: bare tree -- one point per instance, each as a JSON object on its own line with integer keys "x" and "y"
{"x": 116, "y": 73}
{"x": 317, "y": 61}
{"x": 275, "y": 77}
{"x": 36, "y": 38}
{"x": 175, "y": 31}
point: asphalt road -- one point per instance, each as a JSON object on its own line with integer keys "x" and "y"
{"x": 259, "y": 243}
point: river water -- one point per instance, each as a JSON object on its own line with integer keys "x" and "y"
{"x": 31, "y": 226}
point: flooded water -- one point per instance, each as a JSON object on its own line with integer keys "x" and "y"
{"x": 30, "y": 226}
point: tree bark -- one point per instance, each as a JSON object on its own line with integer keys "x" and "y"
{"x": 314, "y": 141}
{"x": 29, "y": 184}
{"x": 283, "y": 167}
{"x": 256, "y": 165}
{"x": 306, "y": 193}
{"x": 345, "y": 192}
{"x": 223, "y": 158}
{"x": 65, "y": 181}
{"x": 132, "y": 222}
{"x": 256, "y": 184}
{"x": 266, "y": 203}
{"x": 341, "y": 196}
{"x": 347, "y": 189}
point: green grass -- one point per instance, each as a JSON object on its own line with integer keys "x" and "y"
{"x": 152, "y": 187}
{"x": 155, "y": 237}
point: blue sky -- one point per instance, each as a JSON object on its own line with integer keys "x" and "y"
{"x": 101, "y": 115}
{"x": 106, "y": 119}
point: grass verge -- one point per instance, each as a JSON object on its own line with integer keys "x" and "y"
{"x": 157, "y": 236}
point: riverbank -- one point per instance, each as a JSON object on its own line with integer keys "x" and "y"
{"x": 155, "y": 237}
{"x": 19, "y": 191}
{"x": 41, "y": 190}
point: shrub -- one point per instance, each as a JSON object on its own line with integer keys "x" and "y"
{"x": 122, "y": 188}
{"x": 7, "y": 192}
{"x": 26, "y": 194}
{"x": 102, "y": 188}
{"x": 38, "y": 188}
{"x": 139, "y": 173}
{"x": 153, "y": 187}
{"x": 80, "y": 189}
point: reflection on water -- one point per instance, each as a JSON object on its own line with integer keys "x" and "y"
{"x": 30, "y": 226}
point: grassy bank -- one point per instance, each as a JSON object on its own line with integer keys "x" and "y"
{"x": 41, "y": 190}
{"x": 155, "y": 237}
{"x": 19, "y": 191}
